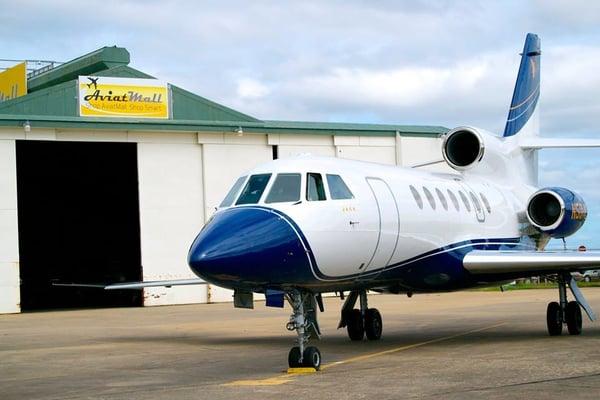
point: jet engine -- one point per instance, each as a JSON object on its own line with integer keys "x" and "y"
{"x": 556, "y": 211}
{"x": 463, "y": 148}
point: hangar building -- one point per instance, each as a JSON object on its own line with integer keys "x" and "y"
{"x": 95, "y": 199}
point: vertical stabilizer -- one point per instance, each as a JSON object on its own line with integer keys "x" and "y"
{"x": 522, "y": 115}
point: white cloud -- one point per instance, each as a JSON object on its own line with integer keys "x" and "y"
{"x": 251, "y": 89}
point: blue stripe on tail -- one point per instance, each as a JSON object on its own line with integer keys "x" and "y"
{"x": 527, "y": 88}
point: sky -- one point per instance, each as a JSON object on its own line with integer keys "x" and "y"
{"x": 418, "y": 62}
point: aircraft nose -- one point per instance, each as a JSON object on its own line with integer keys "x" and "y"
{"x": 249, "y": 247}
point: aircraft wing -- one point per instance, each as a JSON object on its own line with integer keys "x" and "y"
{"x": 529, "y": 262}
{"x": 549, "y": 143}
{"x": 136, "y": 285}
{"x": 482, "y": 262}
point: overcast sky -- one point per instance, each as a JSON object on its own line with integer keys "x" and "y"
{"x": 410, "y": 62}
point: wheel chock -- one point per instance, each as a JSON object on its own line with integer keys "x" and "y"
{"x": 301, "y": 370}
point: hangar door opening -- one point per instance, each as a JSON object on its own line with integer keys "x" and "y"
{"x": 78, "y": 211}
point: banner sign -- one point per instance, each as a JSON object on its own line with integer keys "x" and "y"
{"x": 13, "y": 82}
{"x": 123, "y": 97}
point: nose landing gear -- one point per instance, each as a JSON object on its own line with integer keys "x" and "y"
{"x": 304, "y": 321}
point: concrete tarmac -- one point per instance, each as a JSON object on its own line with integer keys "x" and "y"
{"x": 482, "y": 345}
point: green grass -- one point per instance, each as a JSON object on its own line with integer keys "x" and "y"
{"x": 523, "y": 286}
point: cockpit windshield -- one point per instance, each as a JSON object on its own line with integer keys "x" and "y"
{"x": 286, "y": 188}
{"x": 254, "y": 189}
{"x": 228, "y": 200}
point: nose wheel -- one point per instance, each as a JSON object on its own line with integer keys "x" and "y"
{"x": 311, "y": 358}
{"x": 304, "y": 321}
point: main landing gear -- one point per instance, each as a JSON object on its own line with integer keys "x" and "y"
{"x": 567, "y": 312}
{"x": 360, "y": 322}
{"x": 304, "y": 321}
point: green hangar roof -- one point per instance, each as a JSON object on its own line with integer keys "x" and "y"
{"x": 51, "y": 102}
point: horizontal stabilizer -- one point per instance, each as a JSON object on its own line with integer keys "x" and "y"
{"x": 529, "y": 262}
{"x": 549, "y": 143}
{"x": 136, "y": 285}
{"x": 426, "y": 163}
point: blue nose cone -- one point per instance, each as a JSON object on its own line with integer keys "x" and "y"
{"x": 250, "y": 247}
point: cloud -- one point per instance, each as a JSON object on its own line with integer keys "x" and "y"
{"x": 248, "y": 88}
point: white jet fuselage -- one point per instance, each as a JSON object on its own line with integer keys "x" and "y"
{"x": 403, "y": 229}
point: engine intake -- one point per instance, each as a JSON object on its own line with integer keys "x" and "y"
{"x": 463, "y": 148}
{"x": 556, "y": 211}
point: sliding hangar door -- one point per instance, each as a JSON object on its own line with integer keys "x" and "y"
{"x": 78, "y": 213}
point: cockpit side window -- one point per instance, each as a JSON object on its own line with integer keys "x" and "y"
{"x": 228, "y": 200}
{"x": 315, "y": 191}
{"x": 337, "y": 188}
{"x": 285, "y": 188}
{"x": 254, "y": 189}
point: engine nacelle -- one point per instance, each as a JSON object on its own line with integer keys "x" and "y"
{"x": 463, "y": 148}
{"x": 556, "y": 211}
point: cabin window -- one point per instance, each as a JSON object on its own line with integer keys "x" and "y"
{"x": 285, "y": 188}
{"x": 228, "y": 200}
{"x": 417, "y": 196}
{"x": 337, "y": 188}
{"x": 442, "y": 198}
{"x": 429, "y": 196}
{"x": 465, "y": 201}
{"x": 315, "y": 191}
{"x": 475, "y": 202}
{"x": 486, "y": 203}
{"x": 454, "y": 200}
{"x": 254, "y": 189}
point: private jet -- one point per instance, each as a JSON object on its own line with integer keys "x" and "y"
{"x": 294, "y": 229}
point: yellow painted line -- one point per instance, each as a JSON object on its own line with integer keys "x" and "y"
{"x": 281, "y": 379}
{"x": 276, "y": 380}
{"x": 408, "y": 347}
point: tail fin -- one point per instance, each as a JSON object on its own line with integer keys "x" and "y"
{"x": 522, "y": 115}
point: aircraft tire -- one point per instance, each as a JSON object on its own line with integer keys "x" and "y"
{"x": 294, "y": 357}
{"x": 554, "y": 319}
{"x": 312, "y": 358}
{"x": 373, "y": 324}
{"x": 355, "y": 325}
{"x": 573, "y": 317}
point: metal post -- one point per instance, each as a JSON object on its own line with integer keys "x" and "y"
{"x": 363, "y": 302}
{"x": 297, "y": 320}
{"x": 562, "y": 293}
{"x": 300, "y": 324}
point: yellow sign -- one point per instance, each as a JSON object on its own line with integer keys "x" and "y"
{"x": 123, "y": 97}
{"x": 13, "y": 82}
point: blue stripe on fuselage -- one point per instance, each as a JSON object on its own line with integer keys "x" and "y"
{"x": 267, "y": 263}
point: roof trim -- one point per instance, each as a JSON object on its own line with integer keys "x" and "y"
{"x": 282, "y": 127}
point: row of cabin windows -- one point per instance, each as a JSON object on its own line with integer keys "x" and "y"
{"x": 440, "y": 195}
{"x": 287, "y": 188}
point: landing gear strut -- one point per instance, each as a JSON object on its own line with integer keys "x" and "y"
{"x": 565, "y": 312}
{"x": 304, "y": 321}
{"x": 360, "y": 322}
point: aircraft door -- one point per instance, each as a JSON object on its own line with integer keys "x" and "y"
{"x": 389, "y": 226}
